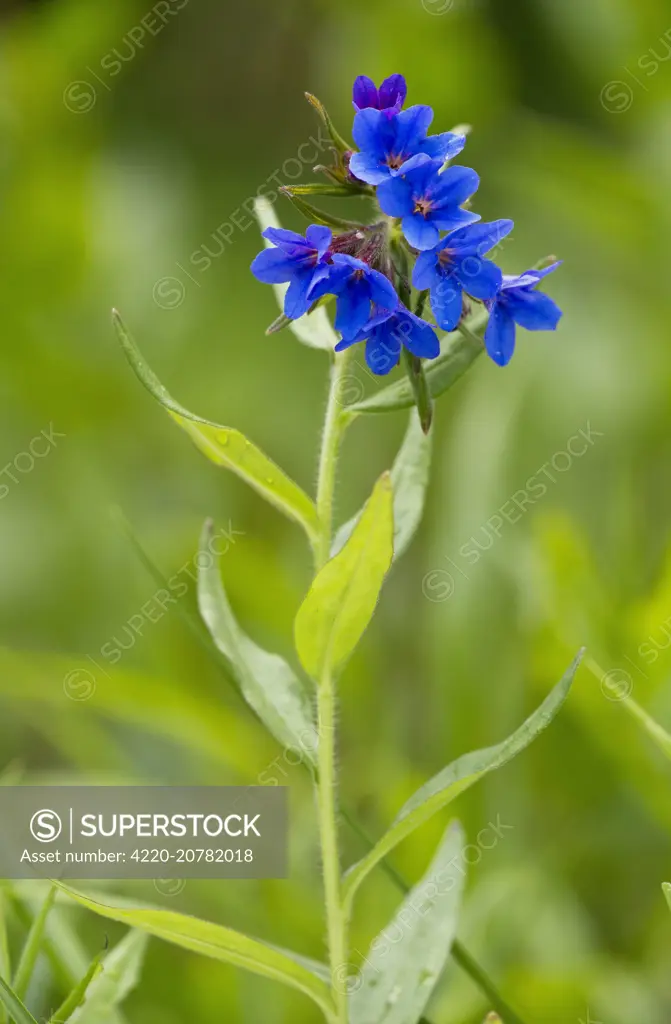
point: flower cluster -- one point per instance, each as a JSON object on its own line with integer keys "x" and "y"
{"x": 424, "y": 219}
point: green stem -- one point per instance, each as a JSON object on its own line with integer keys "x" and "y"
{"x": 334, "y": 428}
{"x": 420, "y": 389}
{"x": 33, "y": 946}
{"x": 328, "y": 830}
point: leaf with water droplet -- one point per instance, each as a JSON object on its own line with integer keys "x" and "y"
{"x": 406, "y": 960}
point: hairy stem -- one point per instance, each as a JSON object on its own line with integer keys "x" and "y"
{"x": 328, "y": 830}
{"x": 334, "y": 428}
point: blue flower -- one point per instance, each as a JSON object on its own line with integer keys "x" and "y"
{"x": 387, "y": 140}
{"x": 302, "y": 262}
{"x": 390, "y": 96}
{"x": 356, "y": 285}
{"x": 457, "y": 264}
{"x": 387, "y": 332}
{"x": 428, "y": 201}
{"x": 519, "y": 303}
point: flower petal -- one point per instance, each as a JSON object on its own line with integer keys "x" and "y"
{"x": 480, "y": 277}
{"x": 454, "y": 217}
{"x": 369, "y": 168}
{"x": 445, "y": 146}
{"x": 447, "y": 303}
{"x": 417, "y": 336}
{"x": 319, "y": 238}
{"x": 410, "y": 128}
{"x": 284, "y": 237}
{"x": 381, "y": 290}
{"x": 395, "y": 197}
{"x": 353, "y": 309}
{"x": 330, "y": 283}
{"x": 297, "y": 301}
{"x": 393, "y": 92}
{"x": 421, "y": 233}
{"x": 477, "y": 240}
{"x": 351, "y": 262}
{"x": 426, "y": 271}
{"x": 533, "y": 310}
{"x": 454, "y": 186}
{"x": 365, "y": 93}
{"x": 273, "y": 266}
{"x": 500, "y": 335}
{"x": 374, "y": 132}
{"x": 383, "y": 350}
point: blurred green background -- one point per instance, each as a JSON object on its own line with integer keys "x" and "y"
{"x": 123, "y": 151}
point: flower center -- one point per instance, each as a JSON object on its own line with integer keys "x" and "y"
{"x": 423, "y": 206}
{"x": 395, "y": 160}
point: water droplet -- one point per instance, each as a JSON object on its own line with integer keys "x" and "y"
{"x": 393, "y": 996}
{"x": 224, "y": 437}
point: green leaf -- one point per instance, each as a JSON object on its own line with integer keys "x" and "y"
{"x": 5, "y": 961}
{"x": 399, "y": 976}
{"x": 317, "y": 216}
{"x": 215, "y": 941}
{"x": 79, "y": 992}
{"x": 33, "y": 946}
{"x": 14, "y": 1006}
{"x": 461, "y": 350}
{"x": 409, "y": 480}
{"x": 342, "y": 599}
{"x": 459, "y": 776}
{"x": 666, "y": 889}
{"x": 340, "y": 191}
{"x": 313, "y": 329}
{"x": 267, "y": 682}
{"x": 336, "y": 138}
{"x": 120, "y": 973}
{"x": 226, "y": 447}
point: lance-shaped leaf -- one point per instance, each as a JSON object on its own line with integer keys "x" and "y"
{"x": 342, "y": 599}
{"x": 121, "y": 970}
{"x": 317, "y": 216}
{"x": 17, "y": 1011}
{"x": 666, "y": 888}
{"x": 78, "y": 993}
{"x": 459, "y": 776}
{"x": 267, "y": 682}
{"x": 409, "y": 481}
{"x": 405, "y": 962}
{"x": 226, "y": 447}
{"x": 217, "y": 942}
{"x": 459, "y": 352}
{"x": 339, "y": 143}
{"x": 313, "y": 329}
{"x": 5, "y": 960}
